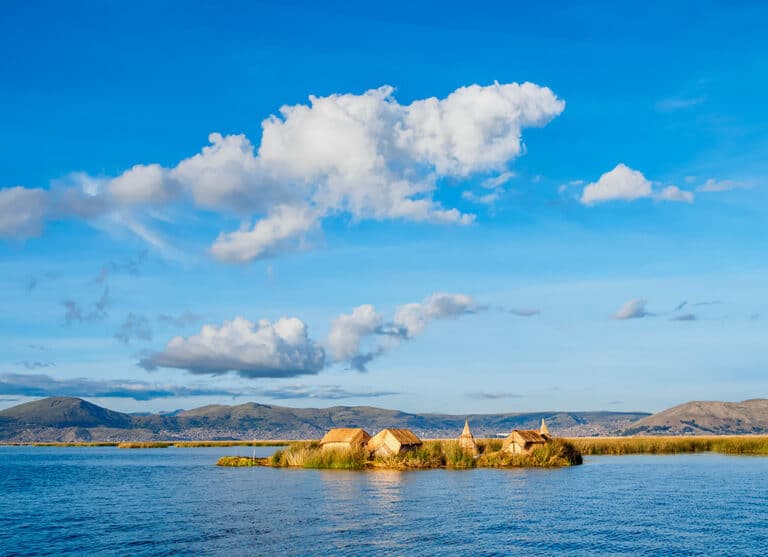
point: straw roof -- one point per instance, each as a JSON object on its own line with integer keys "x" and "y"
{"x": 467, "y": 433}
{"x": 544, "y": 430}
{"x": 351, "y": 435}
{"x": 392, "y": 441}
{"x": 404, "y": 436}
{"x": 529, "y": 436}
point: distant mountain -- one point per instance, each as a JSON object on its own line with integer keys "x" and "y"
{"x": 73, "y": 419}
{"x": 65, "y": 412}
{"x": 701, "y": 418}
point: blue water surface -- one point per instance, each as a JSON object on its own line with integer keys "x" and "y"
{"x": 109, "y": 501}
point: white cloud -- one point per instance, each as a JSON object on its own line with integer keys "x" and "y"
{"x": 485, "y": 199}
{"x": 712, "y": 185}
{"x": 633, "y": 309}
{"x": 284, "y": 349}
{"x": 140, "y": 184}
{"x": 673, "y": 193}
{"x": 263, "y": 349}
{"x": 497, "y": 181}
{"x": 364, "y": 155}
{"x": 475, "y": 128}
{"x": 413, "y": 318}
{"x": 626, "y": 184}
{"x": 348, "y": 330}
{"x": 22, "y": 211}
{"x": 620, "y": 183}
{"x": 281, "y": 231}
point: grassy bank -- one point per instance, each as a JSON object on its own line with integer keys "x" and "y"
{"x": 144, "y": 445}
{"x": 726, "y": 444}
{"x": 156, "y": 444}
{"x": 195, "y": 444}
{"x": 432, "y": 454}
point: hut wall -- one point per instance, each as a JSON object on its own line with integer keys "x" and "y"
{"x": 337, "y": 446}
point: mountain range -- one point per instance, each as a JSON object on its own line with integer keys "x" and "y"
{"x": 67, "y": 419}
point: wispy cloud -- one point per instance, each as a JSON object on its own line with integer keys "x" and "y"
{"x": 134, "y": 327}
{"x": 40, "y": 385}
{"x": 684, "y": 317}
{"x": 524, "y": 312}
{"x": 182, "y": 320}
{"x": 672, "y": 104}
{"x": 713, "y": 185}
{"x": 75, "y": 312}
{"x": 633, "y": 309}
{"x": 35, "y": 364}
{"x": 326, "y": 392}
{"x": 129, "y": 266}
{"x": 494, "y": 395}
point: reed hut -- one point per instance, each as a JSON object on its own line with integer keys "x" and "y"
{"x": 345, "y": 438}
{"x": 523, "y": 441}
{"x": 391, "y": 442}
{"x": 467, "y": 440}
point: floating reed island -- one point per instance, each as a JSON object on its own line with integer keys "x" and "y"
{"x": 401, "y": 449}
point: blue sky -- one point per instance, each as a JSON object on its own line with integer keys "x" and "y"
{"x": 593, "y": 240}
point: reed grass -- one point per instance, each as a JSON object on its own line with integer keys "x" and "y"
{"x": 73, "y": 444}
{"x": 311, "y": 455}
{"x": 239, "y": 461}
{"x": 144, "y": 445}
{"x": 265, "y": 443}
{"x": 726, "y": 444}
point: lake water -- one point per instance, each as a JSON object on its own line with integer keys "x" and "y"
{"x": 108, "y": 501}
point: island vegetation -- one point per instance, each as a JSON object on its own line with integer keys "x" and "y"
{"x": 430, "y": 455}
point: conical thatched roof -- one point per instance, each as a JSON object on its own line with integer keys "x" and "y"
{"x": 544, "y": 430}
{"x": 467, "y": 441}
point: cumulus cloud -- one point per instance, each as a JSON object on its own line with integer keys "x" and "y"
{"x": 365, "y": 155}
{"x": 626, "y": 184}
{"x": 413, "y": 318}
{"x": 262, "y": 349}
{"x": 347, "y": 331}
{"x": 40, "y": 385}
{"x": 633, "y": 309}
{"x": 284, "y": 348}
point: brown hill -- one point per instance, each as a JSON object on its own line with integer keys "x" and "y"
{"x": 706, "y": 418}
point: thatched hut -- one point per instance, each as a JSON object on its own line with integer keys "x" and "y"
{"x": 467, "y": 440}
{"x": 523, "y": 441}
{"x": 390, "y": 442}
{"x": 345, "y": 438}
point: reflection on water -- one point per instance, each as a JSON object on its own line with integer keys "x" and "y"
{"x": 109, "y": 501}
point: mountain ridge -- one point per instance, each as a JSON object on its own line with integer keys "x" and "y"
{"x": 73, "y": 419}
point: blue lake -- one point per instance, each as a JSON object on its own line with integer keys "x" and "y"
{"x": 173, "y": 501}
